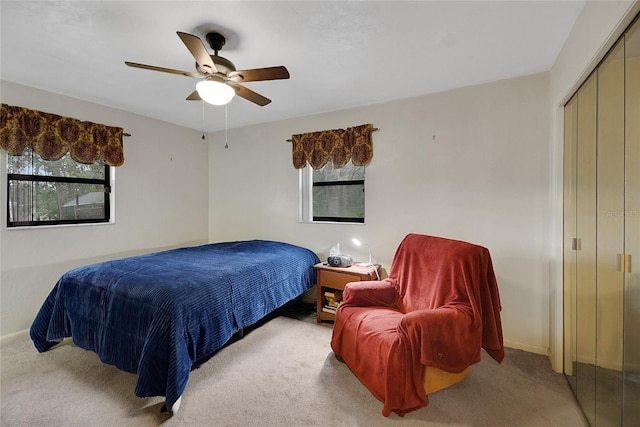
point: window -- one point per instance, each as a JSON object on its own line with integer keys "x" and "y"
{"x": 332, "y": 195}
{"x": 42, "y": 192}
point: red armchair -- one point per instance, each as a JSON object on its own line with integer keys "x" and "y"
{"x": 434, "y": 313}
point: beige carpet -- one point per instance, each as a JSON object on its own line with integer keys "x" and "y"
{"x": 282, "y": 373}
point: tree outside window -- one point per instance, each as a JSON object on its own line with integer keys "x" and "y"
{"x": 44, "y": 192}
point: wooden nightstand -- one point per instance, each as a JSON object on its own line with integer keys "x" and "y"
{"x": 330, "y": 279}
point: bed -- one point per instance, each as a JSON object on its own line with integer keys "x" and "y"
{"x": 159, "y": 315}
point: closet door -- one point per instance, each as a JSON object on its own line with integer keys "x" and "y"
{"x": 569, "y": 233}
{"x": 585, "y": 314}
{"x": 631, "y": 377}
{"x": 602, "y": 211}
{"x": 610, "y": 237}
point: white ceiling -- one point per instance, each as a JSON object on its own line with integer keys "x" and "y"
{"x": 340, "y": 54}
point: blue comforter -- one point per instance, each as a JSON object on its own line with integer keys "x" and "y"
{"x": 156, "y": 315}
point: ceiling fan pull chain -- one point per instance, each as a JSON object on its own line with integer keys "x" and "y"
{"x": 203, "y": 120}
{"x": 226, "y": 145}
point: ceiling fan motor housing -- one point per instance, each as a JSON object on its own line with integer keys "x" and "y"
{"x": 216, "y": 42}
{"x": 223, "y": 65}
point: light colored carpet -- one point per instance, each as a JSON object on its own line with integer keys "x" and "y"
{"x": 282, "y": 373}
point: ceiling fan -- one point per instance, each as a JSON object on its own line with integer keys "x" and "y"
{"x": 219, "y": 79}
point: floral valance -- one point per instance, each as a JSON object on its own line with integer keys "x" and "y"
{"x": 52, "y": 136}
{"x": 337, "y": 145}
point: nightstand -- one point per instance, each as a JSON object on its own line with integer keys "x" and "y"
{"x": 331, "y": 279}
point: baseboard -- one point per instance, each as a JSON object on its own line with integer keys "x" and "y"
{"x": 526, "y": 347}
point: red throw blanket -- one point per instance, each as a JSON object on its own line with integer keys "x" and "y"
{"x": 439, "y": 306}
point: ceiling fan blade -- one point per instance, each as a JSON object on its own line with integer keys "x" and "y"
{"x": 258, "y": 74}
{"x": 164, "y": 70}
{"x": 194, "y": 96}
{"x": 198, "y": 50}
{"x": 250, "y": 95}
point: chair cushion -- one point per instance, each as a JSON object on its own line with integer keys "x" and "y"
{"x": 367, "y": 336}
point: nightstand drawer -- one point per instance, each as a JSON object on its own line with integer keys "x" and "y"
{"x": 335, "y": 279}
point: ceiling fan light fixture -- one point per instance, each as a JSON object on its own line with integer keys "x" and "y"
{"x": 215, "y": 92}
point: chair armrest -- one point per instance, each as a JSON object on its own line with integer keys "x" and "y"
{"x": 369, "y": 293}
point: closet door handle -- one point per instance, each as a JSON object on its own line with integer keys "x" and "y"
{"x": 576, "y": 244}
{"x": 623, "y": 263}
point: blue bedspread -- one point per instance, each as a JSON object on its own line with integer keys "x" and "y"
{"x": 156, "y": 315}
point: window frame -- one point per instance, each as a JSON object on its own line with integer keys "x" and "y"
{"x": 106, "y": 182}
{"x": 306, "y": 198}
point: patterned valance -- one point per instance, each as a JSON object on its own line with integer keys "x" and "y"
{"x": 52, "y": 136}
{"x": 337, "y": 145}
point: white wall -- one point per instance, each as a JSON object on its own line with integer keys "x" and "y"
{"x": 597, "y": 28}
{"x": 160, "y": 202}
{"x": 469, "y": 164}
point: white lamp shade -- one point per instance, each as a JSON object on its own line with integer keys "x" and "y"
{"x": 216, "y": 93}
{"x": 359, "y": 243}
